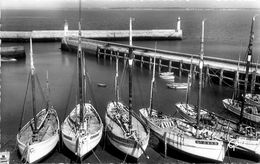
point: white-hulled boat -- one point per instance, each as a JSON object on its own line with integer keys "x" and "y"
{"x": 81, "y": 138}
{"x": 182, "y": 136}
{"x": 177, "y": 85}
{"x": 168, "y": 76}
{"x": 250, "y": 112}
{"x": 131, "y": 141}
{"x": 34, "y": 147}
{"x": 125, "y": 130}
{"x": 162, "y": 74}
{"x": 82, "y": 129}
{"x": 40, "y": 135}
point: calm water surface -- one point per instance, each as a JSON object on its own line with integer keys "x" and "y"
{"x": 227, "y": 36}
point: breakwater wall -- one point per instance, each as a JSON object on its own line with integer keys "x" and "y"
{"x": 222, "y": 71}
{"x": 15, "y": 52}
{"x": 50, "y": 35}
{"x": 57, "y": 35}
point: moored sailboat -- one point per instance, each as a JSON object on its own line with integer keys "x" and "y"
{"x": 238, "y": 107}
{"x": 182, "y": 136}
{"x": 125, "y": 130}
{"x": 82, "y": 129}
{"x": 188, "y": 110}
{"x": 40, "y": 135}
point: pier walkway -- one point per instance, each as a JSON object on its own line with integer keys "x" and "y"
{"x": 221, "y": 69}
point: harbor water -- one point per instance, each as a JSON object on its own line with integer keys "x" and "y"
{"x": 226, "y": 32}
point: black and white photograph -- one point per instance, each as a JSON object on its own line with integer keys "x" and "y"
{"x": 129, "y": 81}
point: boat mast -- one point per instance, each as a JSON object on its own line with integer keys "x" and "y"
{"x": 0, "y": 81}
{"x": 80, "y": 70}
{"x": 116, "y": 81}
{"x": 188, "y": 88}
{"x": 200, "y": 80}
{"x": 248, "y": 63}
{"x": 254, "y": 78}
{"x": 131, "y": 56}
{"x": 48, "y": 91}
{"x": 236, "y": 83}
{"x": 33, "y": 87}
{"x": 152, "y": 82}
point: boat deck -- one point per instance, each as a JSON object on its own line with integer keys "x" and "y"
{"x": 47, "y": 130}
{"x": 90, "y": 121}
{"x": 119, "y": 122}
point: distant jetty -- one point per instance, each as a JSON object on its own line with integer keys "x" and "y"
{"x": 13, "y": 52}
{"x": 57, "y": 35}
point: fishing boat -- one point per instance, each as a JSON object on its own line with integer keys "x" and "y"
{"x": 188, "y": 111}
{"x": 82, "y": 129}
{"x": 38, "y": 137}
{"x": 181, "y": 135}
{"x": 125, "y": 130}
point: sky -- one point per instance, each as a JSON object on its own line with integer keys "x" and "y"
{"x": 60, "y": 4}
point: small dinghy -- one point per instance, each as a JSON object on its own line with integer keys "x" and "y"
{"x": 101, "y": 85}
{"x": 167, "y": 76}
{"x": 177, "y": 85}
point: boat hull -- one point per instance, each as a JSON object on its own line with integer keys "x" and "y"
{"x": 210, "y": 150}
{"x": 123, "y": 143}
{"x": 84, "y": 140}
{"x": 246, "y": 146}
{"x": 182, "y": 109}
{"x": 236, "y": 110}
{"x": 35, "y": 151}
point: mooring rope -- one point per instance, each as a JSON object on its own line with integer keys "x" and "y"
{"x": 139, "y": 89}
{"x": 124, "y": 158}
{"x": 70, "y": 93}
{"x": 27, "y": 86}
{"x": 40, "y": 88}
{"x": 92, "y": 95}
{"x": 96, "y": 156}
{"x": 122, "y": 79}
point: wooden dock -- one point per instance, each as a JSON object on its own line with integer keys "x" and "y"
{"x": 221, "y": 70}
